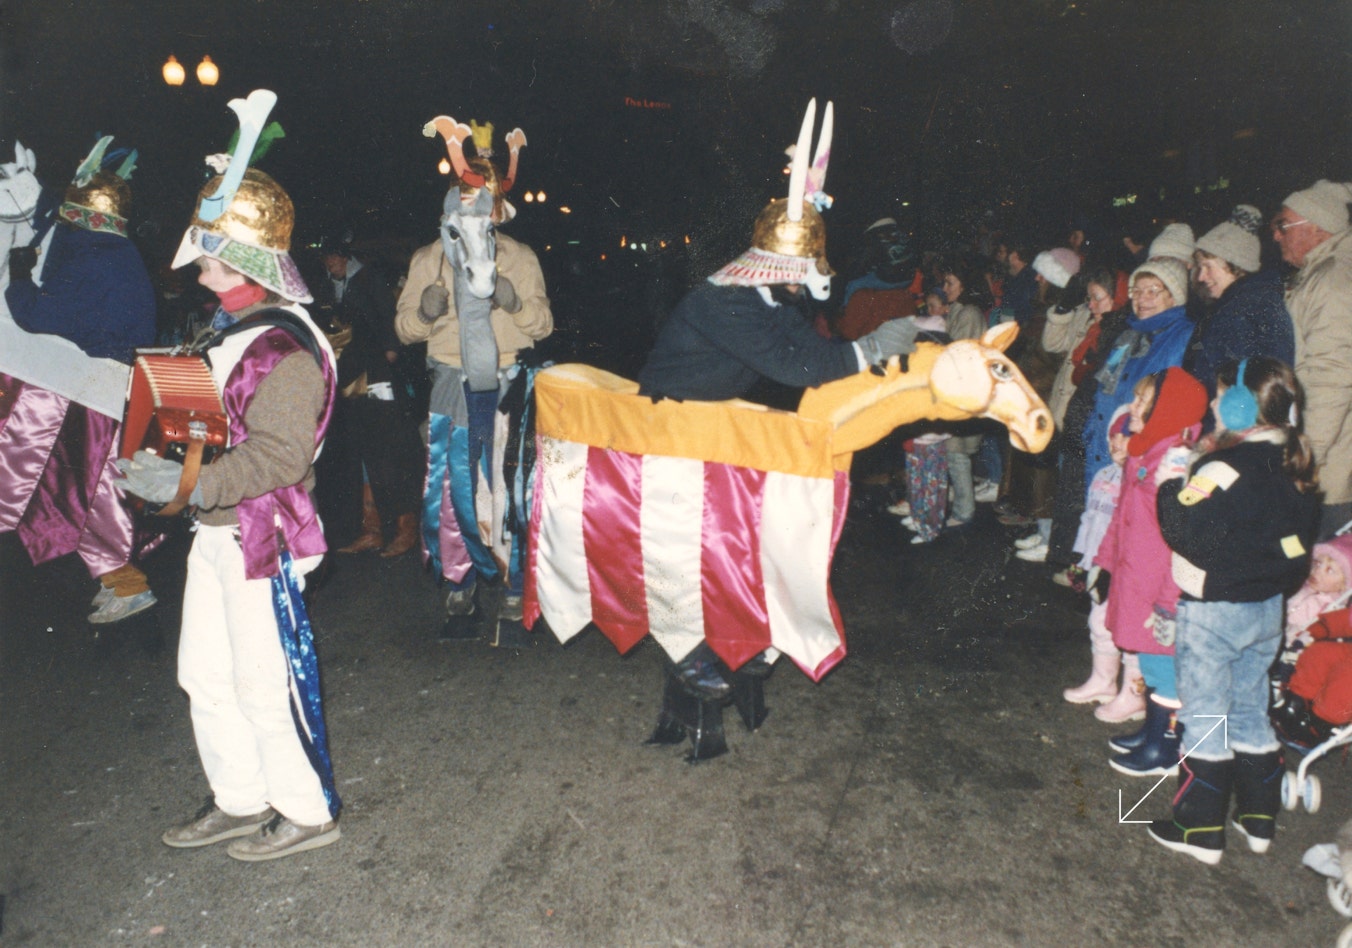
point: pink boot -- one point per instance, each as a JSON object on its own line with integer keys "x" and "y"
{"x": 1102, "y": 684}
{"x": 1129, "y": 705}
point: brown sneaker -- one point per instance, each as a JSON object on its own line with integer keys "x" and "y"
{"x": 213, "y": 825}
{"x": 280, "y": 837}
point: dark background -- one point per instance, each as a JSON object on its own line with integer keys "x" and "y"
{"x": 1031, "y": 110}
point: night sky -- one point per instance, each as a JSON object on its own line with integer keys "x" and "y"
{"x": 1032, "y": 108}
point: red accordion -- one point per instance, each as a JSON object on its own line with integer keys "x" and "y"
{"x": 175, "y": 411}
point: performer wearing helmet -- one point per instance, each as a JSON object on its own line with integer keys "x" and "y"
{"x": 749, "y": 321}
{"x": 475, "y": 297}
{"x": 246, "y": 655}
{"x": 92, "y": 289}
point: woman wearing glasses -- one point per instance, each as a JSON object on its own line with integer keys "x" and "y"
{"x": 1156, "y": 337}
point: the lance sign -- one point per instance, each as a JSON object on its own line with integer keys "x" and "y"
{"x": 631, "y": 103}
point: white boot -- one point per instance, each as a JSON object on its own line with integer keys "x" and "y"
{"x": 1102, "y": 684}
{"x": 1129, "y": 705}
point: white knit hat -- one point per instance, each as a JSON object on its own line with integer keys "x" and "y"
{"x": 1323, "y": 204}
{"x": 1057, "y": 266}
{"x": 1176, "y": 240}
{"x": 1169, "y": 271}
{"x": 1236, "y": 241}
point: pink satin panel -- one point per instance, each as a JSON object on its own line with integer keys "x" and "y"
{"x": 736, "y": 621}
{"x": 612, "y": 539}
{"x": 30, "y": 428}
{"x": 842, "y": 503}
{"x": 57, "y": 479}
{"x": 530, "y": 599}
{"x": 288, "y": 512}
{"x": 455, "y": 560}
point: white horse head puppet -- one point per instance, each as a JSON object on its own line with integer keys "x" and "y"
{"x": 788, "y": 241}
{"x": 19, "y": 193}
{"x": 472, "y": 209}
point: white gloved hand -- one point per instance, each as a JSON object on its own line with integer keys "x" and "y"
{"x": 894, "y": 337}
{"x": 153, "y": 478}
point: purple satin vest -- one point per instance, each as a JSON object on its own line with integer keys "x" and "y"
{"x": 285, "y": 516}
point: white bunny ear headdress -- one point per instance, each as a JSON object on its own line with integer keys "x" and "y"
{"x": 788, "y": 242}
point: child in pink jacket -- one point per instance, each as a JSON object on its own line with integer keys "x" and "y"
{"x": 1133, "y": 562}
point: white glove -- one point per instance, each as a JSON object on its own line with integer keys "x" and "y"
{"x": 153, "y": 478}
{"x": 894, "y": 337}
{"x": 1174, "y": 464}
{"x": 1163, "y": 626}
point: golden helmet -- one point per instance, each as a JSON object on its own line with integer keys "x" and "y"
{"x": 806, "y": 237}
{"x": 105, "y": 193}
{"x": 252, "y": 235}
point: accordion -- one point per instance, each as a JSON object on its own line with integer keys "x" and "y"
{"x": 174, "y": 410}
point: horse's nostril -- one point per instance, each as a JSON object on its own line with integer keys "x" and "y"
{"x": 1041, "y": 422}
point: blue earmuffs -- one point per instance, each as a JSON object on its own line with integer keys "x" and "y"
{"x": 1237, "y": 408}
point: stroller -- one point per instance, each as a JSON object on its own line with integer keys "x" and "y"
{"x": 1302, "y": 787}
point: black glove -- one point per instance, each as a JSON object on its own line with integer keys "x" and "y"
{"x": 22, "y": 260}
{"x": 1098, "y": 582}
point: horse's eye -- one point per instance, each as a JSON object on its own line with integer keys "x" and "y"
{"x": 451, "y": 232}
{"x": 1001, "y": 371}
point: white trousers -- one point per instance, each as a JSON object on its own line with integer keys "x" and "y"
{"x": 231, "y": 664}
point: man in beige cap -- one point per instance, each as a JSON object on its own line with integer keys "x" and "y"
{"x": 1312, "y": 231}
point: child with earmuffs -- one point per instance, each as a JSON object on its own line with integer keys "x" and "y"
{"x": 1241, "y": 523}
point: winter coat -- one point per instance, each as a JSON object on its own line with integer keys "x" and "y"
{"x": 1238, "y": 528}
{"x": 1250, "y": 319}
{"x": 513, "y": 331}
{"x": 1168, "y": 334}
{"x": 1063, "y": 333}
{"x": 95, "y": 292}
{"x": 720, "y": 340}
{"x": 965, "y": 321}
{"x": 1320, "y": 304}
{"x": 1134, "y": 552}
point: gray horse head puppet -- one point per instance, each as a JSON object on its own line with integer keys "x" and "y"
{"x": 472, "y": 209}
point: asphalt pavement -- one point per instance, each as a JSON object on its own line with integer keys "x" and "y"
{"x": 933, "y": 790}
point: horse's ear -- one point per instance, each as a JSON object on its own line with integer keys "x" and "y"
{"x": 1001, "y": 336}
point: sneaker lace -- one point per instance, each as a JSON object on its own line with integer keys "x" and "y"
{"x": 271, "y": 825}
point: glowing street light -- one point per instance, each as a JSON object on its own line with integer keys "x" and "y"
{"x": 565, "y": 209}
{"x": 444, "y": 166}
{"x": 173, "y": 72}
{"x": 528, "y": 197}
{"x": 540, "y": 196}
{"x": 207, "y": 73}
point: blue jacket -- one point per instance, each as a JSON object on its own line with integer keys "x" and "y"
{"x": 1250, "y": 320}
{"x": 1168, "y": 333}
{"x": 95, "y": 292}
{"x": 720, "y": 340}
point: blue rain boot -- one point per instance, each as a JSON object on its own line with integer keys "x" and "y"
{"x": 1198, "y": 824}
{"x": 1159, "y": 754}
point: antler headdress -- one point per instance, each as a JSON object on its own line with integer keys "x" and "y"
{"x": 788, "y": 242}
{"x": 479, "y": 172}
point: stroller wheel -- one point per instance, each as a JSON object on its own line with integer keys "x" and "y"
{"x": 1290, "y": 796}
{"x": 1311, "y": 794}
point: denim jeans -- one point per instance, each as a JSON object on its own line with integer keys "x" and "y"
{"x": 960, "y": 476}
{"x": 1224, "y": 650}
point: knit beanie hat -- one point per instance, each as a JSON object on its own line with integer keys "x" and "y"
{"x": 1176, "y": 240}
{"x": 1338, "y": 549}
{"x": 1323, "y": 204}
{"x": 1236, "y": 241}
{"x": 1169, "y": 271}
{"x": 1180, "y": 403}
{"x": 1057, "y": 266}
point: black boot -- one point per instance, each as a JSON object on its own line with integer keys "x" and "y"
{"x": 1198, "y": 824}
{"x": 1126, "y": 743}
{"x": 1258, "y": 797}
{"x": 1158, "y": 755}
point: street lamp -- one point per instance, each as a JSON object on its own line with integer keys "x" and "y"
{"x": 172, "y": 72}
{"x": 207, "y": 73}
{"x": 444, "y": 166}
